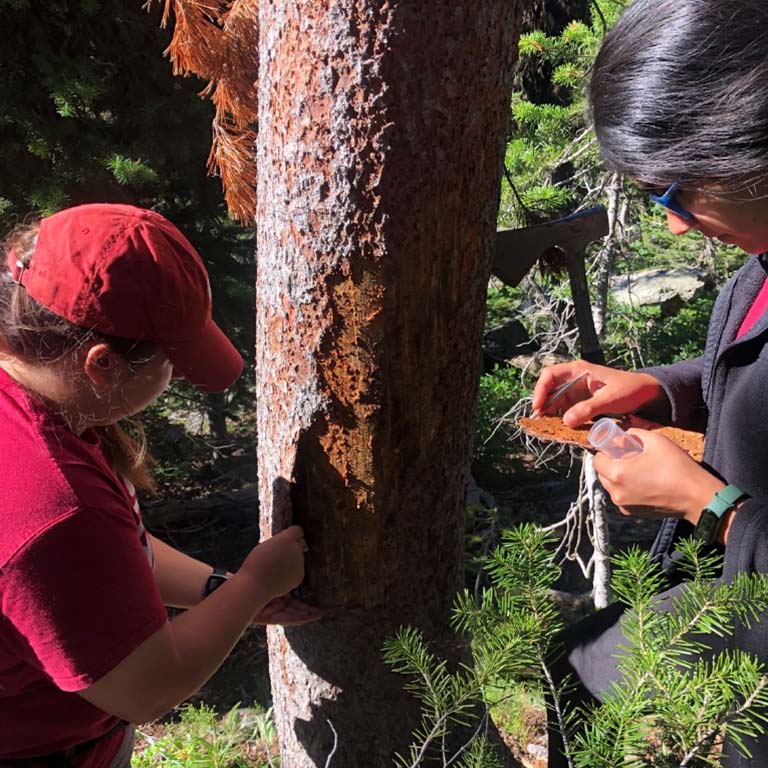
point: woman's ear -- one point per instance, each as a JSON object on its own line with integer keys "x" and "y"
{"x": 100, "y": 366}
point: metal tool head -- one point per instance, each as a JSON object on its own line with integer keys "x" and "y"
{"x": 562, "y": 389}
{"x": 517, "y": 250}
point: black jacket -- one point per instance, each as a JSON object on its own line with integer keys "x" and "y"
{"x": 725, "y": 393}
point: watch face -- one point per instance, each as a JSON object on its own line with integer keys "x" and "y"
{"x": 215, "y": 580}
{"x": 707, "y": 526}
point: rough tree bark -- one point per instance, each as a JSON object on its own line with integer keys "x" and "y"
{"x": 381, "y": 133}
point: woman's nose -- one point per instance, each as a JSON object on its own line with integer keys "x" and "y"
{"x": 677, "y": 225}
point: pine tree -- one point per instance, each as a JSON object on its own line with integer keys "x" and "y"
{"x": 91, "y": 111}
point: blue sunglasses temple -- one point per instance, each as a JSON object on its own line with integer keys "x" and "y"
{"x": 668, "y": 201}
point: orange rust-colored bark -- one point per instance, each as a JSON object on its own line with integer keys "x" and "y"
{"x": 550, "y": 429}
{"x": 381, "y": 135}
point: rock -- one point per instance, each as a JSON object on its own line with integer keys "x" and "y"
{"x": 479, "y": 497}
{"x": 669, "y": 288}
{"x": 536, "y": 756}
{"x": 507, "y": 340}
{"x": 533, "y": 364}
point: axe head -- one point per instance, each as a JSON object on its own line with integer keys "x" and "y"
{"x": 518, "y": 250}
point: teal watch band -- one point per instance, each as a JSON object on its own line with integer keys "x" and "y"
{"x": 724, "y": 500}
{"x": 712, "y": 515}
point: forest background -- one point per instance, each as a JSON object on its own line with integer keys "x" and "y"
{"x": 90, "y": 110}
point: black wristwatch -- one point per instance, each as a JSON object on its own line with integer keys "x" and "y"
{"x": 215, "y": 580}
{"x": 712, "y": 515}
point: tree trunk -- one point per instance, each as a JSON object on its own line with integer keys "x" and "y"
{"x": 381, "y": 136}
{"x": 217, "y": 420}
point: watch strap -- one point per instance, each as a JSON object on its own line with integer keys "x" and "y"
{"x": 711, "y": 517}
{"x": 724, "y": 500}
{"x": 215, "y": 580}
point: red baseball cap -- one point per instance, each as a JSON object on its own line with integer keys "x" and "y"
{"x": 129, "y": 272}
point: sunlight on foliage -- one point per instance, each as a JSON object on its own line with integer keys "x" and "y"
{"x": 499, "y": 391}
{"x": 201, "y": 739}
{"x": 131, "y": 172}
{"x": 675, "y": 701}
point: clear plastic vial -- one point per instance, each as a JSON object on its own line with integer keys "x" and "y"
{"x": 607, "y": 436}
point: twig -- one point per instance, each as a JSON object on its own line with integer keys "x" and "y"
{"x": 439, "y": 724}
{"x": 490, "y": 536}
{"x": 585, "y": 171}
{"x": 482, "y": 724}
{"x": 335, "y": 744}
{"x": 722, "y": 722}
{"x": 558, "y": 712}
{"x": 599, "y": 12}
{"x": 580, "y": 151}
{"x": 524, "y": 210}
{"x": 430, "y": 737}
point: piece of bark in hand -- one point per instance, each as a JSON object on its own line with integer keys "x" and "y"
{"x": 550, "y": 429}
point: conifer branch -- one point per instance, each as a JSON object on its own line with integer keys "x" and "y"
{"x": 722, "y": 721}
{"x": 217, "y": 41}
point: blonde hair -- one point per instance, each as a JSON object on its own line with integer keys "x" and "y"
{"x": 35, "y": 335}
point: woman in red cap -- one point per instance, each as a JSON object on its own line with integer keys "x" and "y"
{"x": 100, "y": 307}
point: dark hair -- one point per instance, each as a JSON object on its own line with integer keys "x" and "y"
{"x": 35, "y": 335}
{"x": 679, "y": 90}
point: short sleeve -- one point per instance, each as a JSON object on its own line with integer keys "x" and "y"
{"x": 81, "y": 596}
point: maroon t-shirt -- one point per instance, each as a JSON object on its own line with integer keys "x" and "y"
{"x": 756, "y": 311}
{"x": 77, "y": 591}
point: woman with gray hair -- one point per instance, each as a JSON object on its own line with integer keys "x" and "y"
{"x": 679, "y": 103}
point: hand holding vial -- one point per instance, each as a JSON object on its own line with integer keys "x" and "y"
{"x": 607, "y": 436}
